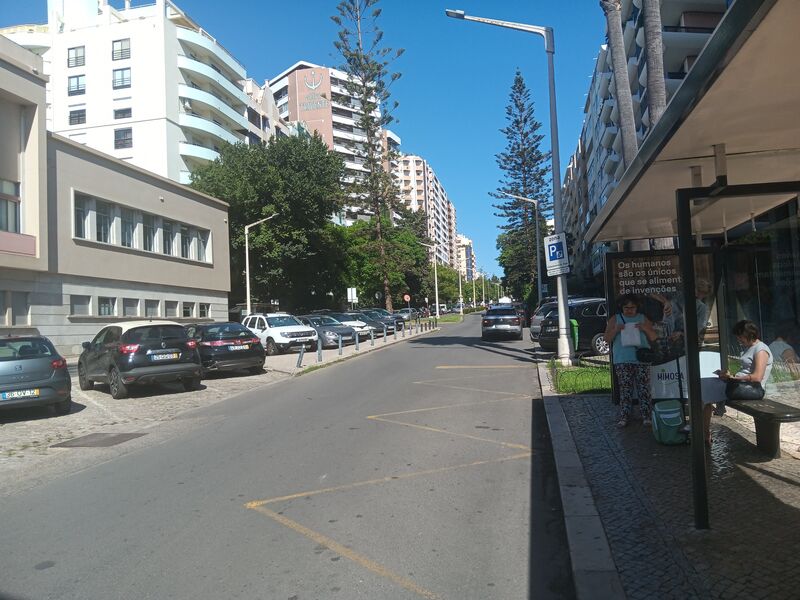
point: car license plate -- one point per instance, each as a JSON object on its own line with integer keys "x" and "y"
{"x": 241, "y": 347}
{"x": 503, "y": 326}
{"x": 347, "y": 338}
{"x": 170, "y": 356}
{"x": 20, "y": 394}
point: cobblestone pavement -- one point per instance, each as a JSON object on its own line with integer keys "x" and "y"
{"x": 643, "y": 492}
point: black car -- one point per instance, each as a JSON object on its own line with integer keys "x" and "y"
{"x": 329, "y": 329}
{"x": 391, "y": 322}
{"x": 139, "y": 352}
{"x": 591, "y": 315}
{"x": 399, "y": 320}
{"x": 227, "y": 346}
{"x": 376, "y": 323}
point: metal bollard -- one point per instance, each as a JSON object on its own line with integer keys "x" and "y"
{"x": 394, "y": 333}
{"x": 340, "y": 344}
{"x": 416, "y": 327}
{"x": 371, "y": 337}
{"x": 384, "y": 334}
{"x": 319, "y": 350}
{"x": 300, "y": 356}
{"x": 403, "y": 331}
{"x": 357, "y": 336}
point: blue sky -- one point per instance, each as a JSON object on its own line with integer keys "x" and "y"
{"x": 455, "y": 82}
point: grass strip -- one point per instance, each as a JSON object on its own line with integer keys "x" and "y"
{"x": 581, "y": 379}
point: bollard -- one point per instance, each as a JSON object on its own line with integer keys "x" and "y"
{"x": 356, "y": 336}
{"x": 371, "y": 337}
{"x": 302, "y": 353}
{"x": 340, "y": 344}
{"x": 384, "y": 334}
{"x": 319, "y": 350}
{"x": 416, "y": 327}
{"x": 403, "y": 331}
{"x": 394, "y": 333}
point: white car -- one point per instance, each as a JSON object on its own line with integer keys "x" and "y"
{"x": 362, "y": 329}
{"x": 281, "y": 332}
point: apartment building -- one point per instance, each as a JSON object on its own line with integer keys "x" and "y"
{"x": 420, "y": 189}
{"x": 145, "y": 84}
{"x": 87, "y": 239}
{"x": 467, "y": 265}
{"x": 597, "y": 161}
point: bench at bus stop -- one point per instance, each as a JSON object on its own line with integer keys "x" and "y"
{"x": 768, "y": 416}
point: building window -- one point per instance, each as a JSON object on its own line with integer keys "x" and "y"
{"x": 123, "y": 138}
{"x": 168, "y": 237}
{"x": 151, "y": 308}
{"x": 202, "y": 246}
{"x": 149, "y": 232}
{"x": 121, "y": 49}
{"x": 188, "y": 309}
{"x": 130, "y": 307}
{"x": 19, "y": 308}
{"x": 128, "y": 227}
{"x": 79, "y": 305}
{"x": 122, "y": 78}
{"x": 186, "y": 242}
{"x": 9, "y": 206}
{"x": 171, "y": 308}
{"x": 205, "y": 308}
{"x": 80, "y": 217}
{"x": 76, "y": 85}
{"x": 76, "y": 117}
{"x": 106, "y": 307}
{"x": 76, "y": 57}
{"x": 123, "y": 113}
{"x": 103, "y": 221}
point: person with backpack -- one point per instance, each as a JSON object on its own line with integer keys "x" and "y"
{"x": 627, "y": 331}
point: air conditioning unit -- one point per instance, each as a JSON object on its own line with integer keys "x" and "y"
{"x": 187, "y": 105}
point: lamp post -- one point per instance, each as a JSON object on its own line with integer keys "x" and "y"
{"x": 247, "y": 254}
{"x": 473, "y": 287}
{"x": 435, "y": 275}
{"x": 460, "y": 297}
{"x": 565, "y": 349}
{"x": 536, "y": 224}
{"x": 483, "y": 288}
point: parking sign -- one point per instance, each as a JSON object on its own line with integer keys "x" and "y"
{"x": 555, "y": 253}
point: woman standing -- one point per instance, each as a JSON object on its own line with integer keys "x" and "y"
{"x": 632, "y": 375}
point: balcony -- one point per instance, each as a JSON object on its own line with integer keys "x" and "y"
{"x": 208, "y": 74}
{"x": 197, "y": 152}
{"x": 609, "y": 134}
{"x": 17, "y": 243}
{"x": 212, "y": 102}
{"x": 207, "y": 127}
{"x": 202, "y": 40}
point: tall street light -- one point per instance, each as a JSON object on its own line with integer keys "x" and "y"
{"x": 435, "y": 274}
{"x": 536, "y": 224}
{"x": 564, "y": 342}
{"x": 460, "y": 296}
{"x": 247, "y": 254}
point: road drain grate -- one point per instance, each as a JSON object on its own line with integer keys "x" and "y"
{"x": 98, "y": 440}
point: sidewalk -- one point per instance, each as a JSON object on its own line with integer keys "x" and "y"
{"x": 642, "y": 494}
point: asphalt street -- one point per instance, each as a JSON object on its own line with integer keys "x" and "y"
{"x": 420, "y": 471}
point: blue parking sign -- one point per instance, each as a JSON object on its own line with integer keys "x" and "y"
{"x": 555, "y": 254}
{"x": 555, "y": 251}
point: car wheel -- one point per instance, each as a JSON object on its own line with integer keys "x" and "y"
{"x": 84, "y": 382}
{"x": 600, "y": 345}
{"x": 256, "y": 370}
{"x": 271, "y": 347}
{"x": 64, "y": 407}
{"x": 191, "y": 384}
{"x": 519, "y": 336}
{"x": 118, "y": 389}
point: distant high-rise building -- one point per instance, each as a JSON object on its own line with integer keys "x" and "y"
{"x": 145, "y": 84}
{"x": 466, "y": 258}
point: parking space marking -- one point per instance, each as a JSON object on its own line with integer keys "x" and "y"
{"x": 529, "y": 366}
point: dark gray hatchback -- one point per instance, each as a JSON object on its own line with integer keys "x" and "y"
{"x": 139, "y": 352}
{"x": 32, "y": 373}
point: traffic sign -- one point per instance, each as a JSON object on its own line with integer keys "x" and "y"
{"x": 406, "y": 297}
{"x": 555, "y": 254}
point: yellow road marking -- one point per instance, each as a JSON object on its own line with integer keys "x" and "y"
{"x": 416, "y": 410}
{"x": 357, "y": 558}
{"x": 464, "y": 389}
{"x": 454, "y": 434}
{"x": 349, "y": 486}
{"x": 484, "y": 366}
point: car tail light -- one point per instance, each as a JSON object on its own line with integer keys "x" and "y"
{"x": 215, "y": 343}
{"x": 253, "y": 341}
{"x": 487, "y": 323}
{"x": 128, "y": 348}
{"x": 59, "y": 363}
{"x": 515, "y": 321}
{"x": 191, "y": 344}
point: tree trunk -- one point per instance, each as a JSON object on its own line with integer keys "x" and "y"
{"x": 654, "y": 47}
{"x": 387, "y": 294}
{"x": 619, "y": 61}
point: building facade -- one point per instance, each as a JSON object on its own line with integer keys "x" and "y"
{"x": 466, "y": 258}
{"x": 145, "y": 84}
{"x": 88, "y": 239}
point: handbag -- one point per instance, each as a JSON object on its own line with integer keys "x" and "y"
{"x": 744, "y": 390}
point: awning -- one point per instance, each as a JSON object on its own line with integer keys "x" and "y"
{"x": 744, "y": 92}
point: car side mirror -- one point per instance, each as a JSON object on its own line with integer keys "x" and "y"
{"x": 86, "y": 345}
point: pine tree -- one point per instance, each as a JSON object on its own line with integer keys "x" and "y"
{"x": 525, "y": 168}
{"x": 367, "y": 62}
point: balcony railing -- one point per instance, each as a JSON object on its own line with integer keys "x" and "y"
{"x": 676, "y": 75}
{"x": 679, "y": 29}
{"x": 77, "y": 90}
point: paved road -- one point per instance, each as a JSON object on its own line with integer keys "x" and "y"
{"x": 405, "y": 473}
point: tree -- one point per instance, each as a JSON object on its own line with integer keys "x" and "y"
{"x": 619, "y": 62}
{"x": 525, "y": 168}
{"x": 654, "y": 47}
{"x": 366, "y": 64}
{"x": 298, "y": 256}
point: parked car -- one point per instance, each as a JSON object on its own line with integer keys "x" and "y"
{"x": 329, "y": 329}
{"x": 375, "y": 325}
{"x": 501, "y": 321}
{"x": 398, "y": 320}
{"x": 538, "y": 316}
{"x": 32, "y": 373}
{"x": 228, "y": 346}
{"x": 281, "y": 332}
{"x": 350, "y": 320}
{"x": 591, "y": 315}
{"x": 139, "y": 352}
{"x": 408, "y": 314}
{"x": 390, "y": 322}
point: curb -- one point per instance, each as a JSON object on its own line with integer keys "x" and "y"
{"x": 593, "y": 569}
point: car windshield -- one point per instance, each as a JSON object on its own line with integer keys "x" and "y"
{"x": 544, "y": 310}
{"x": 282, "y": 321}
{"x": 325, "y": 321}
{"x": 501, "y": 312}
{"x": 373, "y": 315}
{"x": 24, "y": 348}
{"x": 339, "y": 317}
{"x": 226, "y": 331}
{"x": 152, "y": 333}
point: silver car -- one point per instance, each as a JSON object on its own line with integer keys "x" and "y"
{"x": 541, "y": 313}
{"x": 32, "y": 373}
{"x": 503, "y": 321}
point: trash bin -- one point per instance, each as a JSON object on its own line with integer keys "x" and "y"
{"x": 573, "y": 329}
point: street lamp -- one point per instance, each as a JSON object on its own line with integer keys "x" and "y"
{"x": 536, "y": 224}
{"x": 460, "y": 296}
{"x": 247, "y": 254}
{"x": 564, "y": 342}
{"x": 435, "y": 274}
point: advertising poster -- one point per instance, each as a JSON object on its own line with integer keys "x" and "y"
{"x": 654, "y": 279}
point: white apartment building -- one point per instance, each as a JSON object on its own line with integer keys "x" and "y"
{"x": 467, "y": 265}
{"x": 145, "y": 84}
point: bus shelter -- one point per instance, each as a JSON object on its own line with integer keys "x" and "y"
{"x": 720, "y": 174}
